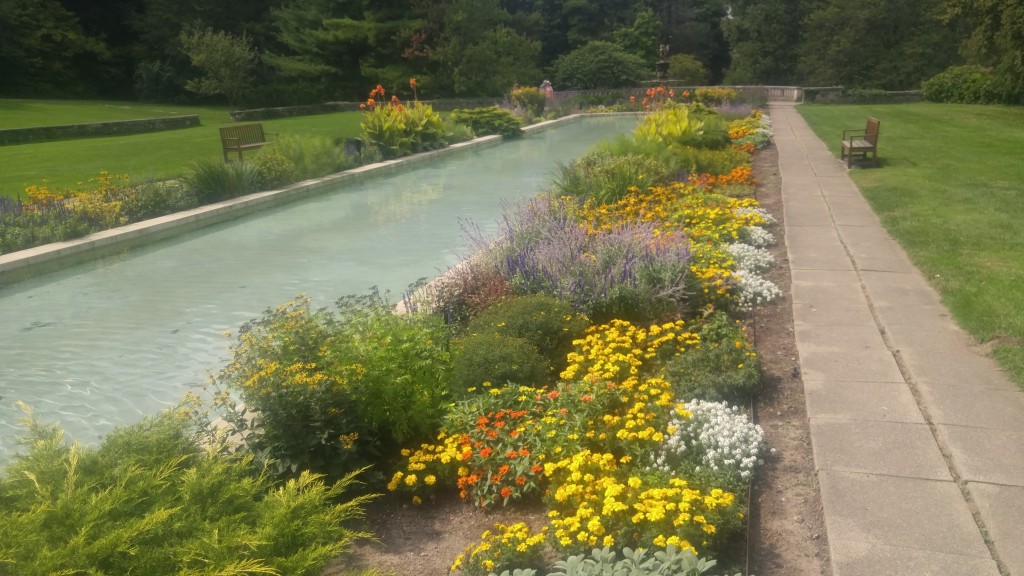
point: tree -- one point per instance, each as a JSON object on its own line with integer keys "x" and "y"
{"x": 599, "y": 64}
{"x": 642, "y": 37}
{"x": 889, "y": 44}
{"x": 501, "y": 59}
{"x": 44, "y": 51}
{"x": 764, "y": 38}
{"x": 687, "y": 69}
{"x": 227, "y": 62}
{"x": 995, "y": 38}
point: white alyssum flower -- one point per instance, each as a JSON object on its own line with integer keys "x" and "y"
{"x": 751, "y": 258}
{"x": 756, "y": 236}
{"x": 754, "y": 290}
{"x": 721, "y": 436}
{"x": 764, "y": 215}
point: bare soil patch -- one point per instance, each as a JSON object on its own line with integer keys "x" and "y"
{"x": 786, "y": 535}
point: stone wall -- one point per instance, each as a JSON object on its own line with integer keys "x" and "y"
{"x": 71, "y": 131}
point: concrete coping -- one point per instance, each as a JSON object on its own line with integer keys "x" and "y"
{"x": 23, "y": 264}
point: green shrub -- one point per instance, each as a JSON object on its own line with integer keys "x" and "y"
{"x": 964, "y": 85}
{"x": 491, "y": 120}
{"x": 607, "y": 178}
{"x": 273, "y": 169}
{"x": 455, "y": 132}
{"x": 547, "y": 324}
{"x": 333, "y": 391}
{"x": 212, "y": 180}
{"x": 599, "y": 64}
{"x": 149, "y": 501}
{"x": 498, "y": 359}
{"x": 723, "y": 367}
{"x": 530, "y": 99}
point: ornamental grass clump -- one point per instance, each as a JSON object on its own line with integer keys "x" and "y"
{"x": 605, "y": 177}
{"x": 713, "y": 441}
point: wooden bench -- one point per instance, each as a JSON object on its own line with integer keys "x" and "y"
{"x": 241, "y": 138}
{"x": 861, "y": 143}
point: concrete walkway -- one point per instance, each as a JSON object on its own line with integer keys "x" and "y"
{"x": 918, "y": 437}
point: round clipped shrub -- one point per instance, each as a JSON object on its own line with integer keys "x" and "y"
{"x": 723, "y": 367}
{"x": 495, "y": 358}
{"x": 964, "y": 85}
{"x": 599, "y": 64}
{"x": 547, "y": 323}
{"x": 273, "y": 169}
{"x": 490, "y": 120}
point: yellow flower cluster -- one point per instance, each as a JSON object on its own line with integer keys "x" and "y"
{"x": 505, "y": 547}
{"x": 431, "y": 461}
{"x": 618, "y": 349}
{"x": 592, "y": 502}
{"x": 745, "y": 126}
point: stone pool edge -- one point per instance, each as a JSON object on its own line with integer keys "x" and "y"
{"x": 24, "y": 264}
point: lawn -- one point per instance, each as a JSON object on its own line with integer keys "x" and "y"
{"x": 154, "y": 155}
{"x": 951, "y": 190}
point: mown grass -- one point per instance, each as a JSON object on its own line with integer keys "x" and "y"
{"x": 951, "y": 190}
{"x": 155, "y": 155}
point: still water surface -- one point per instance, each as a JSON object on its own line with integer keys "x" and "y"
{"x": 105, "y": 342}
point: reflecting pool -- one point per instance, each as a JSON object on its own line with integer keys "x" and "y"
{"x": 104, "y": 342}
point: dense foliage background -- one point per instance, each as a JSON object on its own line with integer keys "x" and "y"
{"x": 300, "y": 51}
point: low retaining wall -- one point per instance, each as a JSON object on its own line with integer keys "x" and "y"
{"x": 117, "y": 128}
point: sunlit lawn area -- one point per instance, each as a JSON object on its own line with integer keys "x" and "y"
{"x": 951, "y": 190}
{"x": 154, "y": 155}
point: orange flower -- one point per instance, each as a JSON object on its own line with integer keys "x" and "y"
{"x": 506, "y": 492}
{"x": 486, "y": 452}
{"x": 524, "y": 452}
{"x": 520, "y": 480}
{"x": 362, "y": 106}
{"x": 412, "y": 83}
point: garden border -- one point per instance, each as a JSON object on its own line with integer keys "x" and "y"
{"x": 24, "y": 264}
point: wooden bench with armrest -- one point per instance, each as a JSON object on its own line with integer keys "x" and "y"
{"x": 861, "y": 143}
{"x": 242, "y": 138}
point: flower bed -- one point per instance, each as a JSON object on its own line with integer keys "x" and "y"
{"x": 596, "y": 347}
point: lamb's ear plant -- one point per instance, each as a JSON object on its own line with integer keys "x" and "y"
{"x": 640, "y": 562}
{"x": 150, "y": 501}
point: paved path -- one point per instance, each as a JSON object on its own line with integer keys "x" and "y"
{"x": 918, "y": 438}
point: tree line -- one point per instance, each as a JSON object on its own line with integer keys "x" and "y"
{"x": 301, "y": 51}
